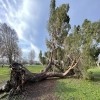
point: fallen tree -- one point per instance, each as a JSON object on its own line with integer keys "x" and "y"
{"x": 20, "y": 76}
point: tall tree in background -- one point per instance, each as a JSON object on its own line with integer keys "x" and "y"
{"x": 94, "y": 52}
{"x": 90, "y": 40}
{"x": 31, "y": 57}
{"x": 42, "y": 58}
{"x": 8, "y": 42}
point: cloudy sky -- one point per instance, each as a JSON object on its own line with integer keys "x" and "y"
{"x": 29, "y": 18}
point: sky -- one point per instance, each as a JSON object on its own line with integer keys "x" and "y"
{"x": 29, "y": 18}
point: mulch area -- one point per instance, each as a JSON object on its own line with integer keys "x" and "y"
{"x": 43, "y": 90}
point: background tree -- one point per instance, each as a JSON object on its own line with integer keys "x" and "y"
{"x": 31, "y": 57}
{"x": 42, "y": 58}
{"x": 90, "y": 39}
{"x": 8, "y": 42}
{"x": 83, "y": 41}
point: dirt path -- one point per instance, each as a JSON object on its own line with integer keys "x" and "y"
{"x": 38, "y": 91}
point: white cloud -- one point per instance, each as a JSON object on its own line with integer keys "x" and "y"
{"x": 3, "y": 4}
{"x": 27, "y": 50}
{"x": 19, "y": 18}
{"x": 15, "y": 1}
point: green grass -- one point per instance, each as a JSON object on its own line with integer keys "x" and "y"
{"x": 35, "y": 68}
{"x": 95, "y": 70}
{"x": 5, "y": 71}
{"x": 75, "y": 89}
{"x": 94, "y": 73}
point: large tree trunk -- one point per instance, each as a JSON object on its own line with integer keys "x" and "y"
{"x": 20, "y": 75}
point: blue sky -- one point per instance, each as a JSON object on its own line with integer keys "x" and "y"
{"x": 29, "y": 18}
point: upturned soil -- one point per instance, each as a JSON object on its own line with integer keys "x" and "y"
{"x": 43, "y": 90}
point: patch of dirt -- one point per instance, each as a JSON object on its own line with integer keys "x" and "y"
{"x": 43, "y": 90}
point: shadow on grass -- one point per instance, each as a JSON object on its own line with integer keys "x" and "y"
{"x": 96, "y": 79}
{"x": 68, "y": 89}
{"x": 62, "y": 87}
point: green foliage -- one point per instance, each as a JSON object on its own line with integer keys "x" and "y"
{"x": 58, "y": 28}
{"x": 72, "y": 42}
{"x": 89, "y": 32}
{"x": 58, "y": 25}
{"x": 60, "y": 54}
{"x": 4, "y": 73}
{"x": 42, "y": 59}
{"x": 82, "y": 41}
{"x": 94, "y": 52}
{"x": 96, "y": 31}
{"x": 47, "y": 54}
{"x": 40, "y": 56}
{"x": 75, "y": 89}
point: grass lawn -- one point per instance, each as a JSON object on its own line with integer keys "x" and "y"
{"x": 94, "y": 73}
{"x": 4, "y": 73}
{"x": 75, "y": 89}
